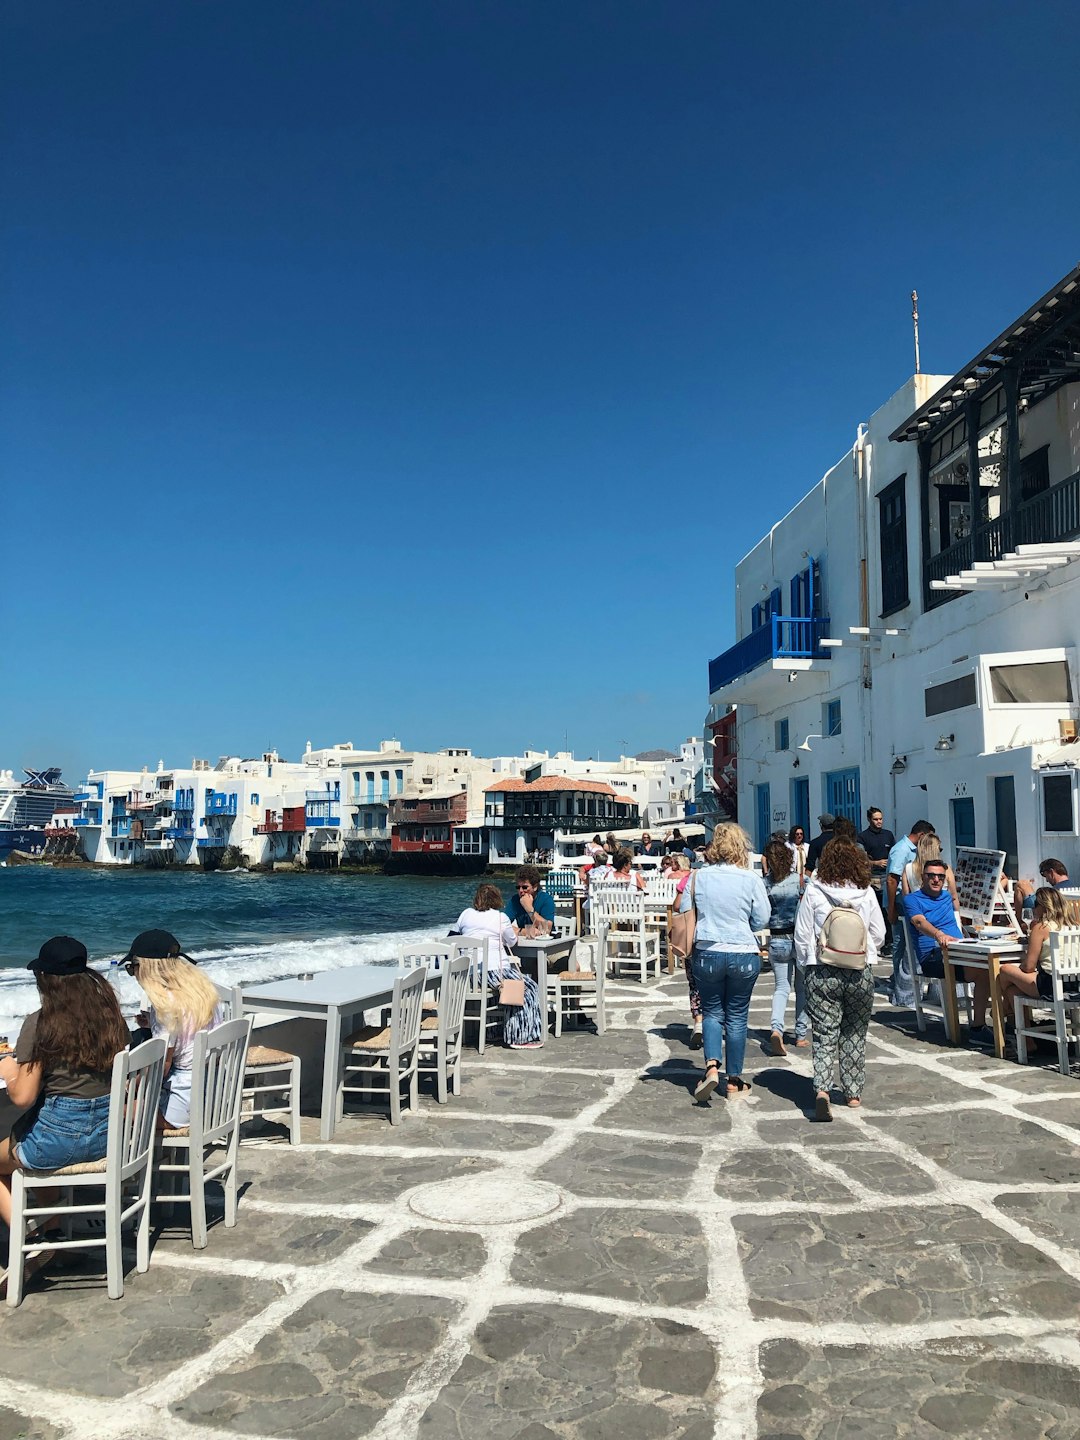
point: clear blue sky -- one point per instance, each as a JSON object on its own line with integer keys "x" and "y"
{"x": 424, "y": 368}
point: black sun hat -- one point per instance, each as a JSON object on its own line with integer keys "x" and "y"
{"x": 62, "y": 955}
{"x": 156, "y": 945}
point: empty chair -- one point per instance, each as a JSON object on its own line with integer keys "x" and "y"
{"x": 124, "y": 1175}
{"x": 660, "y": 895}
{"x": 1064, "y": 1001}
{"x": 629, "y": 944}
{"x": 377, "y": 1056}
{"x": 432, "y": 953}
{"x": 440, "y": 1046}
{"x": 580, "y": 988}
{"x": 271, "y": 1076}
{"x": 217, "y": 1086}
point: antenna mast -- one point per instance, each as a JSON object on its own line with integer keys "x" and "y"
{"x": 915, "y": 327}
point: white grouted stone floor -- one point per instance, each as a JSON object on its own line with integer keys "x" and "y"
{"x": 573, "y": 1248}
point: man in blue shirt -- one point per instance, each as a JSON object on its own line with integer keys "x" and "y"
{"x": 934, "y": 922}
{"x": 531, "y": 909}
{"x": 1053, "y": 873}
{"x": 900, "y": 856}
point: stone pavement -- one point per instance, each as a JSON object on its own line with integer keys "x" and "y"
{"x": 572, "y": 1248}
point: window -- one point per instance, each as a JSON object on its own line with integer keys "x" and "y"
{"x": 254, "y": 798}
{"x": 1035, "y": 473}
{"x": 949, "y": 695}
{"x": 830, "y": 720}
{"x": 1058, "y": 804}
{"x": 892, "y": 530}
{"x": 1043, "y": 683}
{"x": 782, "y": 734}
{"x": 370, "y": 778}
{"x": 384, "y": 776}
{"x": 399, "y": 781}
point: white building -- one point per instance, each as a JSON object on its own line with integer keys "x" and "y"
{"x": 899, "y": 642}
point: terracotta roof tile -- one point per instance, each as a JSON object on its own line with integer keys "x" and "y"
{"x": 514, "y": 784}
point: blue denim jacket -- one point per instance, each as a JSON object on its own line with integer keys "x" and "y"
{"x": 784, "y": 896}
{"x": 731, "y": 904}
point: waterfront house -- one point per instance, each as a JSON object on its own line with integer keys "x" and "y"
{"x": 524, "y": 817}
{"x": 907, "y": 635}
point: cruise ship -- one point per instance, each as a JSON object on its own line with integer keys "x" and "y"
{"x": 26, "y": 807}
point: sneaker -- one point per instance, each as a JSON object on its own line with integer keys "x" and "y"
{"x": 697, "y": 1039}
{"x": 981, "y": 1036}
{"x": 776, "y": 1043}
{"x": 706, "y": 1085}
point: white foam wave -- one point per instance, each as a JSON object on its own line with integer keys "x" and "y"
{"x": 242, "y": 965}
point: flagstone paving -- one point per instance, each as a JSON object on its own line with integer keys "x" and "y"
{"x": 573, "y": 1249}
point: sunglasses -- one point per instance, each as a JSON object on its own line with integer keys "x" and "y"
{"x": 934, "y": 874}
{"x": 130, "y": 966}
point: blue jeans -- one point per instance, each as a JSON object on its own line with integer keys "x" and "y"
{"x": 725, "y": 980}
{"x": 62, "y": 1130}
{"x": 903, "y": 982}
{"x": 785, "y": 973}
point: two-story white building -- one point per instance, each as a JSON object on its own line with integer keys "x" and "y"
{"x": 908, "y": 633}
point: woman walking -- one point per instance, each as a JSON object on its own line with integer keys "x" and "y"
{"x": 784, "y": 886}
{"x": 730, "y": 904}
{"x": 838, "y": 998}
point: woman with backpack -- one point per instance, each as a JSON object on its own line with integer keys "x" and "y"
{"x": 839, "y": 930}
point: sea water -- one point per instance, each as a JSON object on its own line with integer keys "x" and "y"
{"x": 243, "y": 927}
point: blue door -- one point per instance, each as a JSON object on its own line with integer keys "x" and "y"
{"x": 842, "y": 793}
{"x": 963, "y": 820}
{"x": 764, "y": 815}
{"x": 800, "y": 803}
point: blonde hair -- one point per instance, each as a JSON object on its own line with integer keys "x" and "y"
{"x": 927, "y": 847}
{"x": 730, "y": 846}
{"x": 184, "y": 1000}
{"x": 1056, "y": 911}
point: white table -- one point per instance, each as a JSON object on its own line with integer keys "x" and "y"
{"x": 979, "y": 955}
{"x": 333, "y": 996}
{"x": 544, "y": 953}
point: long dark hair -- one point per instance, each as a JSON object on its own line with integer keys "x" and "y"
{"x": 80, "y": 1026}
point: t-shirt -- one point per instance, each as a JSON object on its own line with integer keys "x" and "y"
{"x": 491, "y": 924}
{"x": 939, "y": 912}
{"x": 1029, "y": 900}
{"x": 182, "y": 1044}
{"x": 86, "y": 1084}
{"x": 543, "y": 906}
{"x": 813, "y": 855}
{"x": 877, "y": 843}
{"x": 901, "y": 855}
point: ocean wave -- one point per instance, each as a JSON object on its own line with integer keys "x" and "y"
{"x": 238, "y": 965}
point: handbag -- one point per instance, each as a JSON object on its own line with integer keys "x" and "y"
{"x": 683, "y": 926}
{"x": 512, "y": 992}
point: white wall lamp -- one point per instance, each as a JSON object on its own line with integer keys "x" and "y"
{"x": 945, "y": 742}
{"x": 806, "y": 743}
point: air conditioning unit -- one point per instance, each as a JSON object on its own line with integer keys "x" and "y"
{"x": 1067, "y": 732}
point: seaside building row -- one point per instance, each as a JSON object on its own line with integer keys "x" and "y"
{"x": 448, "y": 811}
{"x": 906, "y": 636}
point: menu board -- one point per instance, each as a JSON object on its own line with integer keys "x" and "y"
{"x": 978, "y": 883}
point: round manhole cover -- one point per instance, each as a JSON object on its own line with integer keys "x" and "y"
{"x": 485, "y": 1200}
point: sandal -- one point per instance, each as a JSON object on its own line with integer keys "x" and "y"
{"x": 708, "y": 1083}
{"x": 822, "y": 1108}
{"x": 736, "y": 1085}
{"x": 853, "y": 1102}
{"x": 776, "y": 1043}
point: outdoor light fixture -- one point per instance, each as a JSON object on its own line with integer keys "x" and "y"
{"x": 899, "y": 765}
{"x": 945, "y": 742}
{"x": 806, "y": 743}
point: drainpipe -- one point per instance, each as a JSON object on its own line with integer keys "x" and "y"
{"x": 862, "y": 457}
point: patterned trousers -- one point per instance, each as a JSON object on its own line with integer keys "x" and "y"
{"x": 840, "y": 1002}
{"x": 695, "y": 998}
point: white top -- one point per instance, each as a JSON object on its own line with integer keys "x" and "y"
{"x": 495, "y": 926}
{"x": 818, "y": 899}
{"x": 182, "y": 1044}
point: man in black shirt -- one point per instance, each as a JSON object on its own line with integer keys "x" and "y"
{"x": 877, "y": 842}
{"x": 813, "y": 854}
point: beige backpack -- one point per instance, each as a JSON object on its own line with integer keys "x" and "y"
{"x": 842, "y": 940}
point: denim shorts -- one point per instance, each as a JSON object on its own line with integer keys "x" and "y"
{"x": 62, "y": 1130}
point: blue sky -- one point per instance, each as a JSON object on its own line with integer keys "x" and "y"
{"x": 424, "y": 368}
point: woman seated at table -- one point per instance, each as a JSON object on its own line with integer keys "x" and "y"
{"x": 183, "y": 1002}
{"x": 523, "y": 1026}
{"x": 623, "y": 872}
{"x": 1032, "y": 976}
{"x": 531, "y": 910}
{"x": 61, "y": 1067}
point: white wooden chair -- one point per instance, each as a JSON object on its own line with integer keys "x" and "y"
{"x": 574, "y": 991}
{"x": 388, "y": 1055}
{"x": 1065, "y": 973}
{"x": 432, "y": 953}
{"x": 440, "y": 1048}
{"x": 922, "y": 1001}
{"x": 124, "y": 1175}
{"x": 481, "y": 1006}
{"x": 629, "y": 943}
{"x": 660, "y": 896}
{"x": 217, "y": 1088}
{"x": 271, "y": 1076}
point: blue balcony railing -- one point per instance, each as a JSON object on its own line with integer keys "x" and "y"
{"x": 314, "y": 822}
{"x": 217, "y": 804}
{"x": 784, "y": 637}
{"x": 211, "y": 842}
{"x": 81, "y": 820}
{"x": 179, "y": 832}
{"x": 120, "y": 829}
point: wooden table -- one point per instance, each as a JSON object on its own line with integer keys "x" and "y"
{"x": 335, "y": 997}
{"x": 543, "y": 954}
{"x": 978, "y": 955}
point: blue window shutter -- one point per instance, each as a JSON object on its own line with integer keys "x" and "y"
{"x": 775, "y": 607}
{"x": 796, "y": 595}
{"x": 817, "y": 600}
{"x": 755, "y": 618}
